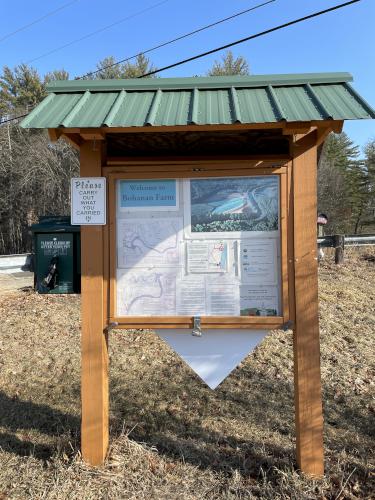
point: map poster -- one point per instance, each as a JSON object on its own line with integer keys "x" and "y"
{"x": 259, "y": 301}
{"x": 138, "y": 195}
{"x": 207, "y": 257}
{"x": 258, "y": 261}
{"x": 234, "y": 204}
{"x": 145, "y": 292}
{"x": 149, "y": 242}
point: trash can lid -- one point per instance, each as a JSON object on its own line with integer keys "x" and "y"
{"x": 54, "y": 224}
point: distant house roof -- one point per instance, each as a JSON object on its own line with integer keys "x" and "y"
{"x": 218, "y": 100}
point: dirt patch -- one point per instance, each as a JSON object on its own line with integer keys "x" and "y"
{"x": 171, "y": 436}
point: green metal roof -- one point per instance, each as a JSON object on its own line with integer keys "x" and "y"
{"x": 200, "y": 101}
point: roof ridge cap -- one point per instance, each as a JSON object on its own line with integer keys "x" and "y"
{"x": 189, "y": 83}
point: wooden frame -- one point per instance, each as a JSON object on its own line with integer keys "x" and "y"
{"x": 190, "y": 170}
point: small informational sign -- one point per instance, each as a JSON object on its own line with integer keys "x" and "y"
{"x": 88, "y": 201}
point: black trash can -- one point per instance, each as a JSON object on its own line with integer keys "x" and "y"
{"x": 57, "y": 255}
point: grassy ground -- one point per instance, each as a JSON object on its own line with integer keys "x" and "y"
{"x": 171, "y": 436}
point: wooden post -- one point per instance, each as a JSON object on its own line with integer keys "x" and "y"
{"x": 308, "y": 399}
{"x": 338, "y": 244}
{"x": 94, "y": 384}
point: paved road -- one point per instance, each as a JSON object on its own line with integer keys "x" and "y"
{"x": 15, "y": 281}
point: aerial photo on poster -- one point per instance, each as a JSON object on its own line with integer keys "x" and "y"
{"x": 234, "y": 204}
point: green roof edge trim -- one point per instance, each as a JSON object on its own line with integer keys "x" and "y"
{"x": 209, "y": 82}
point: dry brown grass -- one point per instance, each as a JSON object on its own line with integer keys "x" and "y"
{"x": 171, "y": 436}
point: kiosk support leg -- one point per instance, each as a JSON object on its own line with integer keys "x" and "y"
{"x": 94, "y": 383}
{"x": 308, "y": 398}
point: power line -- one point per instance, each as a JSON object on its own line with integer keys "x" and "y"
{"x": 14, "y": 118}
{"x": 181, "y": 37}
{"x": 257, "y": 35}
{"x": 281, "y": 26}
{"x": 49, "y": 14}
{"x": 100, "y": 30}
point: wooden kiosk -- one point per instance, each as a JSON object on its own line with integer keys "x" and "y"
{"x": 190, "y": 128}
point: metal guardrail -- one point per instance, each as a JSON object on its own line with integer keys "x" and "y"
{"x": 339, "y": 242}
{"x": 349, "y": 240}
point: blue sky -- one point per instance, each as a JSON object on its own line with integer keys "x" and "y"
{"x": 343, "y": 40}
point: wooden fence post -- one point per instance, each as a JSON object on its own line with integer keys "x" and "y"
{"x": 308, "y": 402}
{"x": 338, "y": 244}
{"x": 94, "y": 383}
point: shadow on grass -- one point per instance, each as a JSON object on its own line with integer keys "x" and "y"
{"x": 184, "y": 434}
{"x": 265, "y": 404}
{"x": 17, "y": 415}
{"x": 182, "y": 428}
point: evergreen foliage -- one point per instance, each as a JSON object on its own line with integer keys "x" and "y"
{"x": 128, "y": 69}
{"x": 344, "y": 185}
{"x": 229, "y": 65}
{"x": 21, "y": 89}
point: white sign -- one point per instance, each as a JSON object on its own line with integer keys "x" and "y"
{"x": 88, "y": 201}
{"x": 214, "y": 355}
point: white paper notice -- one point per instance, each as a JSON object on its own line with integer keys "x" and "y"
{"x": 258, "y": 261}
{"x": 149, "y": 242}
{"x": 223, "y": 297}
{"x": 191, "y": 296}
{"x": 207, "y": 257}
{"x": 259, "y": 301}
{"x": 145, "y": 292}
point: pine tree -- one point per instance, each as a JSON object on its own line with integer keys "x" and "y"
{"x": 56, "y": 74}
{"x": 229, "y": 65}
{"x": 343, "y": 185}
{"x": 21, "y": 89}
{"x": 108, "y": 69}
{"x": 369, "y": 218}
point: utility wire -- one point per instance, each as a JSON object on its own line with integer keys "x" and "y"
{"x": 257, "y": 35}
{"x": 181, "y": 37}
{"x": 14, "y": 118}
{"x": 281, "y": 26}
{"x": 49, "y": 14}
{"x": 100, "y": 30}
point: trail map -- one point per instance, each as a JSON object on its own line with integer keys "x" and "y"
{"x": 149, "y": 242}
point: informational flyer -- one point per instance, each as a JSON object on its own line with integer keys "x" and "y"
{"x": 152, "y": 242}
{"x": 144, "y": 292}
{"x": 222, "y": 297}
{"x": 207, "y": 256}
{"x": 259, "y": 301}
{"x": 258, "y": 261}
{"x": 191, "y": 296}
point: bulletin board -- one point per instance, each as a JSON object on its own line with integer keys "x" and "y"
{"x": 204, "y": 246}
